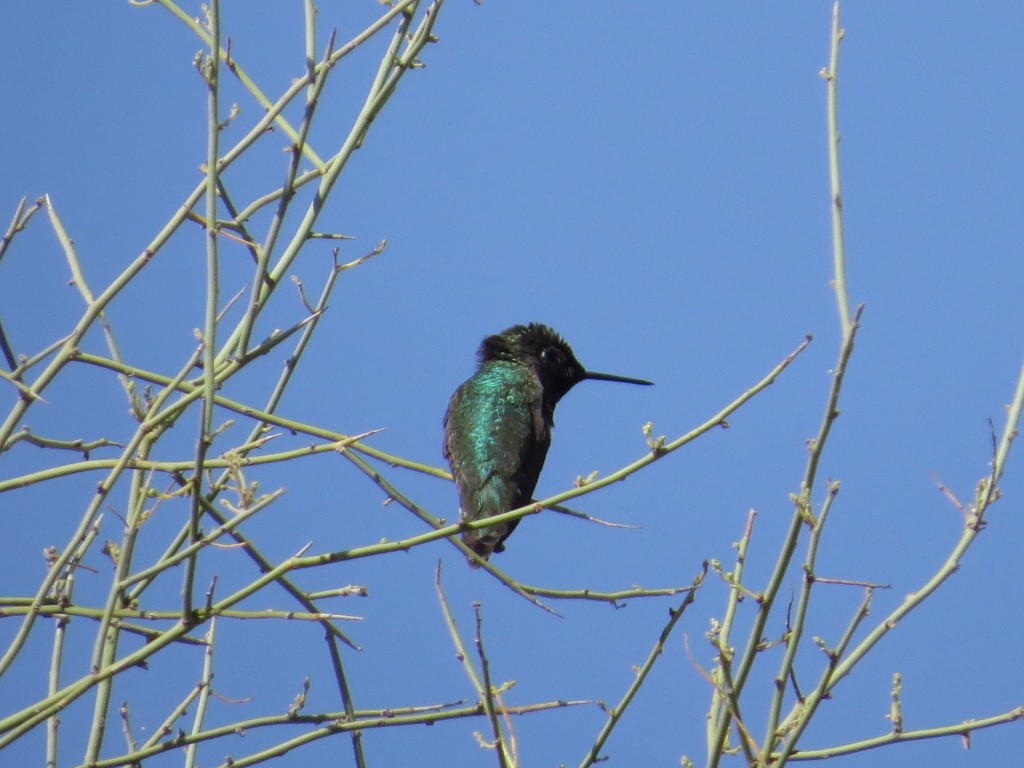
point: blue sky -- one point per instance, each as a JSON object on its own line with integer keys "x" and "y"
{"x": 650, "y": 181}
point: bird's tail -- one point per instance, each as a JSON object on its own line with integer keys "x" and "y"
{"x": 483, "y": 543}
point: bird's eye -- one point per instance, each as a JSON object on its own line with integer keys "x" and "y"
{"x": 551, "y": 356}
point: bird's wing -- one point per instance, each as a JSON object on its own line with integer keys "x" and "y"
{"x": 495, "y": 441}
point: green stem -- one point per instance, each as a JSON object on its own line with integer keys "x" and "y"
{"x": 615, "y": 714}
{"x": 835, "y": 177}
{"x": 796, "y": 630}
{"x": 205, "y": 683}
{"x": 722, "y": 698}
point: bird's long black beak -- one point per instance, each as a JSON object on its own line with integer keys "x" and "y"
{"x": 612, "y": 377}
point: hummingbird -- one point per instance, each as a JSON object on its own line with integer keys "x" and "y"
{"x": 497, "y": 428}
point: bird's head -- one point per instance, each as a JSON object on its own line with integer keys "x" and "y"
{"x": 547, "y": 354}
